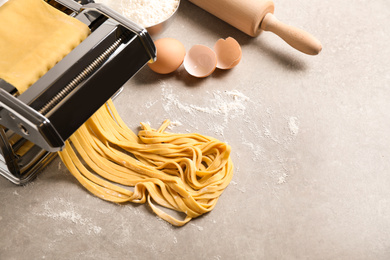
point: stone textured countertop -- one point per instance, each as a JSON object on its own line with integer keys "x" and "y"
{"x": 310, "y": 138}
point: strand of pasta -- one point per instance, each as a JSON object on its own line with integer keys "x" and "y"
{"x": 183, "y": 172}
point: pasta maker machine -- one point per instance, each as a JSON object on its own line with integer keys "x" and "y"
{"x": 56, "y": 105}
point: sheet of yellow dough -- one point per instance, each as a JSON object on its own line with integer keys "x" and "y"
{"x": 34, "y": 36}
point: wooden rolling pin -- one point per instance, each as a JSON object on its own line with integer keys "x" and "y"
{"x": 253, "y": 16}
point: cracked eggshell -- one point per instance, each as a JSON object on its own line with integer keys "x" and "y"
{"x": 228, "y": 53}
{"x": 200, "y": 61}
{"x": 170, "y": 55}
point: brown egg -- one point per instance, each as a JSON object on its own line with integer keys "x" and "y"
{"x": 228, "y": 53}
{"x": 170, "y": 55}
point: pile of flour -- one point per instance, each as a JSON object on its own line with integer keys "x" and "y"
{"x": 143, "y": 12}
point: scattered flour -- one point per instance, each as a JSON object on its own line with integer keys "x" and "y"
{"x": 143, "y": 12}
{"x": 65, "y": 231}
{"x": 216, "y": 128}
{"x": 239, "y": 188}
{"x": 267, "y": 133}
{"x": 243, "y": 189}
{"x": 292, "y": 125}
{"x": 256, "y": 149}
{"x": 222, "y": 106}
{"x": 232, "y": 113}
{"x": 174, "y": 124}
{"x": 60, "y": 210}
{"x": 198, "y": 227}
{"x": 150, "y": 104}
{"x": 229, "y": 104}
{"x": 282, "y": 178}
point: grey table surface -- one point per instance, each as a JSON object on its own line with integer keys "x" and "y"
{"x": 310, "y": 143}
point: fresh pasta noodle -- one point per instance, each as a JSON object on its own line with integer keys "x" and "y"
{"x": 182, "y": 172}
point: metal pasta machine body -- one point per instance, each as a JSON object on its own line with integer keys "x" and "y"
{"x": 56, "y": 105}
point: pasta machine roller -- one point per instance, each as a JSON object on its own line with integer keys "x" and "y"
{"x": 56, "y": 105}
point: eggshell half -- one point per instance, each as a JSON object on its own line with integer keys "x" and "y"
{"x": 228, "y": 53}
{"x": 170, "y": 55}
{"x": 200, "y": 61}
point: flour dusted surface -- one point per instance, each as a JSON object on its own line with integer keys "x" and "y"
{"x": 143, "y": 12}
